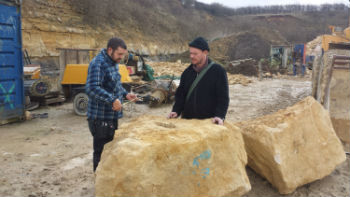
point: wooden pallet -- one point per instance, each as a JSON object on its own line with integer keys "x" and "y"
{"x": 49, "y": 99}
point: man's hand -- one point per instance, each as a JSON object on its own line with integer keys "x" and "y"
{"x": 172, "y": 115}
{"x": 132, "y": 97}
{"x": 117, "y": 106}
{"x": 217, "y": 120}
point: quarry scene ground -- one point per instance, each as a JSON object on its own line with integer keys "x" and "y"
{"x": 276, "y": 57}
{"x": 53, "y": 156}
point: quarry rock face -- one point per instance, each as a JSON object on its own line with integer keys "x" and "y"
{"x": 155, "y": 156}
{"x": 293, "y": 147}
{"x": 49, "y": 24}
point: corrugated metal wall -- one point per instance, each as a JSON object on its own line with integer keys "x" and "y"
{"x": 11, "y": 66}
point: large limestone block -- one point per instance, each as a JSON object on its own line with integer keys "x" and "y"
{"x": 333, "y": 91}
{"x": 155, "y": 156}
{"x": 339, "y": 103}
{"x": 293, "y": 147}
{"x": 324, "y": 78}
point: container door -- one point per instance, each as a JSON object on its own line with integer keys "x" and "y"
{"x": 11, "y": 67}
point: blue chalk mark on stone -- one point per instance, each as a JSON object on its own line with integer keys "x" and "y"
{"x": 196, "y": 162}
{"x": 203, "y": 156}
{"x": 206, "y": 171}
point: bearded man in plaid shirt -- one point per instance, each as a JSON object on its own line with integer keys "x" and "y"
{"x": 106, "y": 93}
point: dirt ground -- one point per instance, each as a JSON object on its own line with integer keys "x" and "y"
{"x": 53, "y": 156}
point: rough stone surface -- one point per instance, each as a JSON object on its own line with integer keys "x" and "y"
{"x": 316, "y": 75}
{"x": 155, "y": 156}
{"x": 339, "y": 103}
{"x": 293, "y": 147}
{"x": 325, "y": 69}
{"x": 334, "y": 96}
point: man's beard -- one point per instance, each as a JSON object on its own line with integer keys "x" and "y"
{"x": 118, "y": 60}
{"x": 194, "y": 61}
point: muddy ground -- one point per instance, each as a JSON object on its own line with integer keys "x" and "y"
{"x": 53, "y": 156}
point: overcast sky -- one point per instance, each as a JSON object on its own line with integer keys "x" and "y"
{"x": 243, "y": 3}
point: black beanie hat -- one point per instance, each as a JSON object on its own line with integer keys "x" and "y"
{"x": 199, "y": 43}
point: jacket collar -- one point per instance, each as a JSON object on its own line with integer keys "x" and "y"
{"x": 198, "y": 70}
{"x": 107, "y": 57}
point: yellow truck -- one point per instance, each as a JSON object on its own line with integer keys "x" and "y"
{"x": 73, "y": 84}
{"x": 74, "y": 64}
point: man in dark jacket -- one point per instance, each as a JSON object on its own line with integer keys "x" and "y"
{"x": 203, "y": 91}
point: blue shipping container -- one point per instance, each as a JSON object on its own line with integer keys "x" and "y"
{"x": 11, "y": 66}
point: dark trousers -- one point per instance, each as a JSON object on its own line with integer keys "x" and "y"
{"x": 102, "y": 133}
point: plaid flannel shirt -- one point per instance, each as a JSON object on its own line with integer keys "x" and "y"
{"x": 103, "y": 86}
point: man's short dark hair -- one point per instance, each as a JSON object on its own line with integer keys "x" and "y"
{"x": 115, "y": 42}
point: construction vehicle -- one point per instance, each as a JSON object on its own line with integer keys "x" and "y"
{"x": 279, "y": 56}
{"x": 74, "y": 78}
{"x": 73, "y": 84}
{"x": 301, "y": 60}
{"x": 136, "y": 77}
{"x": 338, "y": 36}
{"x": 331, "y": 79}
{"x": 39, "y": 88}
{"x": 34, "y": 86}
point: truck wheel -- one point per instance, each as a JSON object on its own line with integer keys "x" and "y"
{"x": 80, "y": 104}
